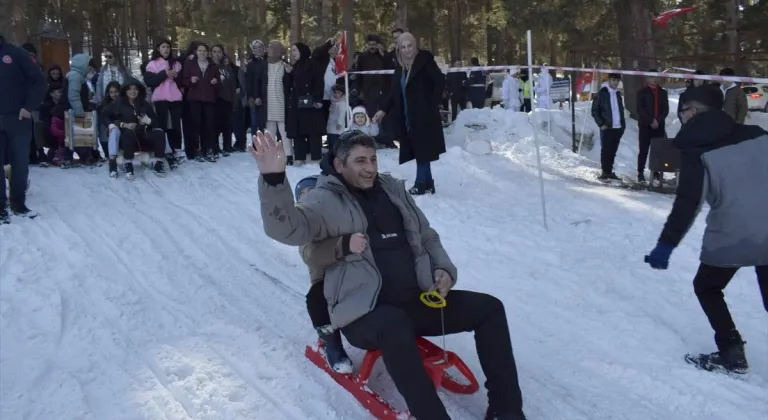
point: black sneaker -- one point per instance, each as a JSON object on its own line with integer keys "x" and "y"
{"x": 23, "y": 211}
{"x": 613, "y": 177}
{"x": 333, "y": 349}
{"x": 113, "y": 168}
{"x": 172, "y": 162}
{"x": 159, "y": 168}
{"x": 128, "y": 166}
{"x": 224, "y": 153}
{"x": 730, "y": 358}
{"x": 640, "y": 178}
{"x": 5, "y": 217}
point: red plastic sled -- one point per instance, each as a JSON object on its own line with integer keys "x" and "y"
{"x": 436, "y": 362}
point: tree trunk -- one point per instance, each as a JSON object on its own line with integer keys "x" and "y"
{"x": 453, "y": 47}
{"x": 160, "y": 20}
{"x": 96, "y": 19}
{"x": 499, "y": 56}
{"x": 401, "y": 14}
{"x": 637, "y": 47}
{"x": 72, "y": 21}
{"x": 732, "y": 32}
{"x": 139, "y": 14}
{"x": 326, "y": 27}
{"x": 348, "y": 22}
{"x": 295, "y": 21}
{"x": 261, "y": 14}
{"x": 19, "y": 16}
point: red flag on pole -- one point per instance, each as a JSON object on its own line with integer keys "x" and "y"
{"x": 340, "y": 60}
{"x": 663, "y": 18}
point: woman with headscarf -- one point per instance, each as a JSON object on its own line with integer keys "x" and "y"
{"x": 256, "y": 86}
{"x": 414, "y": 105}
{"x": 304, "y": 122}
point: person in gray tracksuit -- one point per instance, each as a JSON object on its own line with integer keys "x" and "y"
{"x": 373, "y": 297}
{"x": 726, "y": 164}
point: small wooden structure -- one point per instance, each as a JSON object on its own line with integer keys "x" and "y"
{"x": 54, "y": 46}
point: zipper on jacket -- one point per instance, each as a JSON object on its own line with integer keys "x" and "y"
{"x": 359, "y": 208}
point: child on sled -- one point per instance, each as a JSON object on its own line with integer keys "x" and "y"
{"x": 317, "y": 256}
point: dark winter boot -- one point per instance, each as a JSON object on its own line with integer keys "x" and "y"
{"x": 431, "y": 187}
{"x": 5, "y": 217}
{"x": 418, "y": 188}
{"x": 729, "y": 358}
{"x": 22, "y": 210}
{"x": 333, "y": 349}
{"x": 128, "y": 166}
{"x": 159, "y": 168}
{"x": 172, "y": 162}
{"x": 113, "y": 168}
{"x": 490, "y": 415}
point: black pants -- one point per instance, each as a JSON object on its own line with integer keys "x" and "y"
{"x": 394, "y": 330}
{"x": 202, "y": 120}
{"x": 708, "y": 286}
{"x": 132, "y": 141}
{"x": 15, "y": 136}
{"x": 526, "y": 106}
{"x": 609, "y": 145}
{"x": 317, "y": 306}
{"x": 164, "y": 110}
{"x": 308, "y": 144}
{"x": 223, "y": 126}
{"x": 456, "y": 104}
{"x": 239, "y": 126}
{"x": 476, "y": 95}
{"x": 644, "y": 137}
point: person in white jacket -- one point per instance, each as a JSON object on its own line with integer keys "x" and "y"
{"x": 511, "y": 91}
{"x": 542, "y": 88}
{"x": 337, "y": 115}
{"x": 361, "y": 122}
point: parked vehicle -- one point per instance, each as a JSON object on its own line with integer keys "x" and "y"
{"x": 757, "y": 97}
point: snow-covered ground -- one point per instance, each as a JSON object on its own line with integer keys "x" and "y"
{"x": 163, "y": 299}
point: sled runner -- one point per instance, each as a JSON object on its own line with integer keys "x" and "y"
{"x": 436, "y": 360}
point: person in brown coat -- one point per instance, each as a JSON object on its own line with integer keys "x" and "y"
{"x": 735, "y": 103}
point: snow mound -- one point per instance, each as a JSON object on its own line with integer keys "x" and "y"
{"x": 512, "y": 134}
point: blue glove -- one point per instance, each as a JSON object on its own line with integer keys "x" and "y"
{"x": 659, "y": 257}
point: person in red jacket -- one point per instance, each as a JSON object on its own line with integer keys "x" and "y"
{"x": 201, "y": 78}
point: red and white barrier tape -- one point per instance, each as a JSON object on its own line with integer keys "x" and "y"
{"x": 687, "y": 76}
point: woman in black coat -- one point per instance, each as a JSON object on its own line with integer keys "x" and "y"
{"x": 414, "y": 105}
{"x": 304, "y": 122}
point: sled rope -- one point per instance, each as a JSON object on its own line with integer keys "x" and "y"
{"x": 433, "y": 299}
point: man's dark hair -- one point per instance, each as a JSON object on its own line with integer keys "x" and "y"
{"x": 348, "y": 141}
{"x": 373, "y": 38}
{"x": 727, "y": 72}
{"x": 398, "y": 30}
{"x": 614, "y": 76}
{"x": 705, "y": 98}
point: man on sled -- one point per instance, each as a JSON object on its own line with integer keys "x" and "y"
{"x": 373, "y": 297}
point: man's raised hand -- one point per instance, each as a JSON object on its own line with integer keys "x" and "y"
{"x": 269, "y": 155}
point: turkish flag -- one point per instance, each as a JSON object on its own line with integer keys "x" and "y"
{"x": 340, "y": 60}
{"x": 663, "y": 18}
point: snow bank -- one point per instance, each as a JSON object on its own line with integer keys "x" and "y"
{"x": 511, "y": 134}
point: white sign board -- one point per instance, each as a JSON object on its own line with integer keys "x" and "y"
{"x": 560, "y": 90}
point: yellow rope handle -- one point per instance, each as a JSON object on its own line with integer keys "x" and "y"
{"x": 433, "y": 299}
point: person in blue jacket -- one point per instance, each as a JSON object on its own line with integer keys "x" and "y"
{"x": 23, "y": 88}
